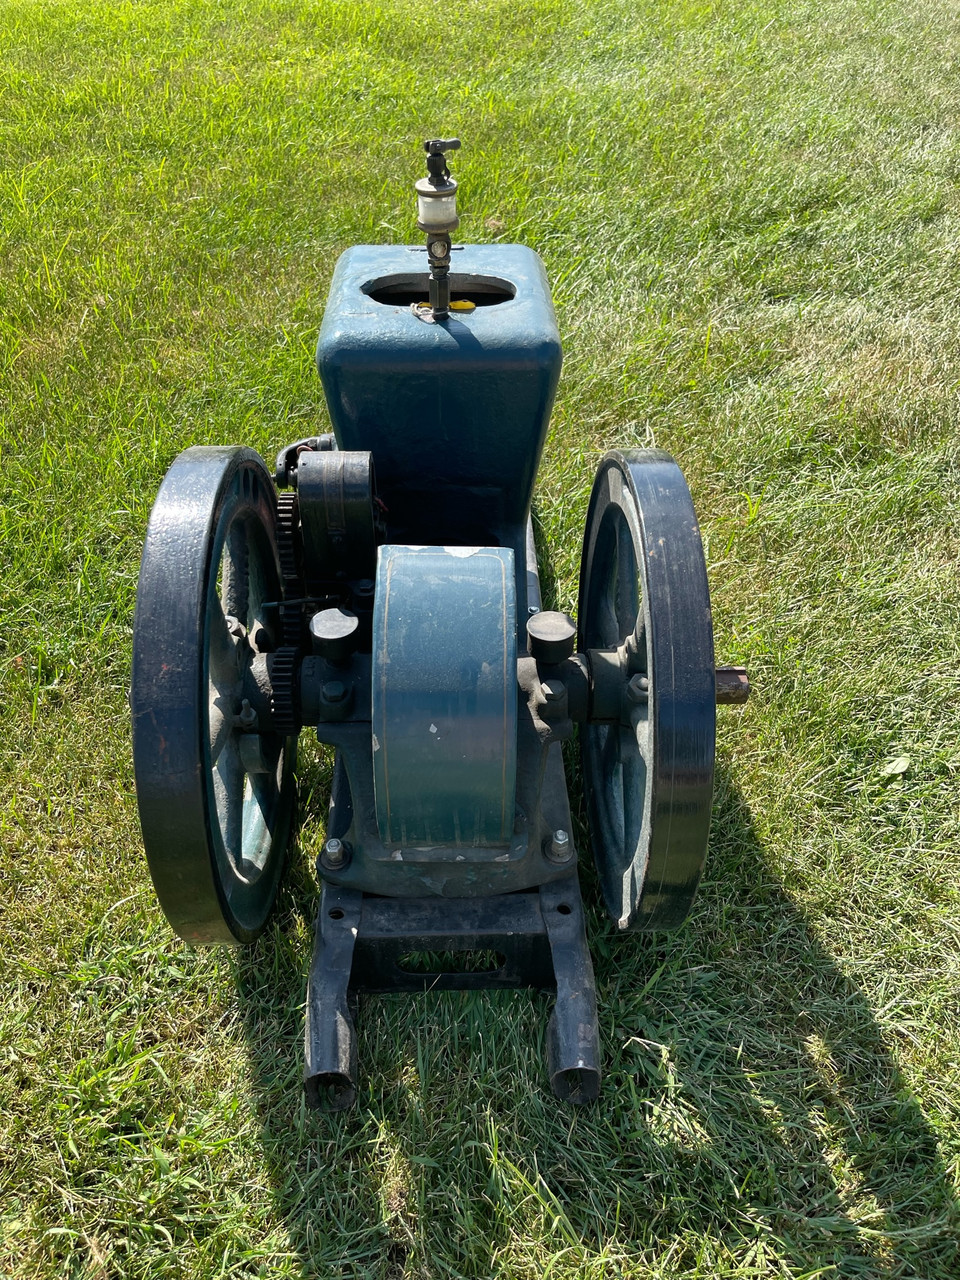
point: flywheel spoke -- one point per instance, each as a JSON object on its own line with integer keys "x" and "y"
{"x": 634, "y": 772}
{"x": 224, "y": 671}
{"x": 229, "y": 781}
{"x": 625, "y": 590}
{"x": 236, "y": 574}
{"x": 222, "y": 725}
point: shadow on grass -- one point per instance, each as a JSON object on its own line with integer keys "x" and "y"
{"x": 752, "y": 1121}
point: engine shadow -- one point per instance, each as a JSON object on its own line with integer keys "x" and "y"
{"x": 751, "y": 1115}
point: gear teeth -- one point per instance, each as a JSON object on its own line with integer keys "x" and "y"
{"x": 288, "y": 543}
{"x": 289, "y": 549}
{"x": 284, "y": 698}
{"x": 291, "y": 627}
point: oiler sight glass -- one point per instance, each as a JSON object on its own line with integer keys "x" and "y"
{"x": 437, "y": 216}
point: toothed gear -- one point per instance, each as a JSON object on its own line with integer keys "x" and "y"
{"x": 288, "y": 543}
{"x": 284, "y": 698}
{"x": 291, "y": 627}
{"x": 289, "y": 548}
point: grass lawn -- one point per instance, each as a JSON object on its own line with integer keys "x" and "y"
{"x": 750, "y": 215}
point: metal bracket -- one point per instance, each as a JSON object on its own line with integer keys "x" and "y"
{"x": 330, "y": 1039}
{"x": 361, "y": 945}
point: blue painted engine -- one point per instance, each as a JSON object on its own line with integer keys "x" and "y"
{"x": 382, "y": 589}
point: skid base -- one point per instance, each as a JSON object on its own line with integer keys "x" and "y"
{"x": 362, "y": 940}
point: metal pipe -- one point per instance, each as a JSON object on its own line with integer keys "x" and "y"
{"x": 438, "y": 256}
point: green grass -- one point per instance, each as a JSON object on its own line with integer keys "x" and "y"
{"x": 749, "y": 213}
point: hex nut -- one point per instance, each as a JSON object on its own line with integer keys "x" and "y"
{"x": 335, "y": 855}
{"x": 638, "y": 688}
{"x": 333, "y": 691}
{"x": 560, "y": 846}
{"x": 553, "y": 690}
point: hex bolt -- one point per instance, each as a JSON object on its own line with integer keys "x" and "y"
{"x": 335, "y": 855}
{"x": 553, "y": 690}
{"x": 247, "y": 719}
{"x": 235, "y": 627}
{"x": 333, "y": 691}
{"x": 638, "y": 688}
{"x": 561, "y": 846}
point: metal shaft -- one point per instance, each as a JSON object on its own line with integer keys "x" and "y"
{"x": 438, "y": 256}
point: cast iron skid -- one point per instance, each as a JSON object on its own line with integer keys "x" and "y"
{"x": 398, "y": 614}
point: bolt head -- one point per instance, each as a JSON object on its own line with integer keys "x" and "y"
{"x": 333, "y": 691}
{"x": 638, "y": 688}
{"x": 335, "y": 854}
{"x": 553, "y": 690}
{"x": 561, "y": 846}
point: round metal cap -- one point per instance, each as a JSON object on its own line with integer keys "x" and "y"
{"x": 551, "y": 637}
{"x": 333, "y": 633}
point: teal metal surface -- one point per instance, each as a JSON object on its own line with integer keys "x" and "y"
{"x": 454, "y": 412}
{"x": 445, "y": 696}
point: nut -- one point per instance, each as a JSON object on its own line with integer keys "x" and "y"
{"x": 638, "y": 688}
{"x": 335, "y": 855}
{"x": 553, "y": 690}
{"x": 560, "y": 848}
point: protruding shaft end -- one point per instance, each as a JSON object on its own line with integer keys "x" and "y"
{"x": 733, "y": 686}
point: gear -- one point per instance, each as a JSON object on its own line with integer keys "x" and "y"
{"x": 288, "y": 543}
{"x": 285, "y": 691}
{"x": 284, "y": 667}
{"x": 290, "y": 548}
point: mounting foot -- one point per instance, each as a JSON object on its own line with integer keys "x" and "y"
{"x": 363, "y": 945}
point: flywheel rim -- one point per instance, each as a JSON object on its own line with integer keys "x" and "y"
{"x": 216, "y": 801}
{"x": 649, "y": 779}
